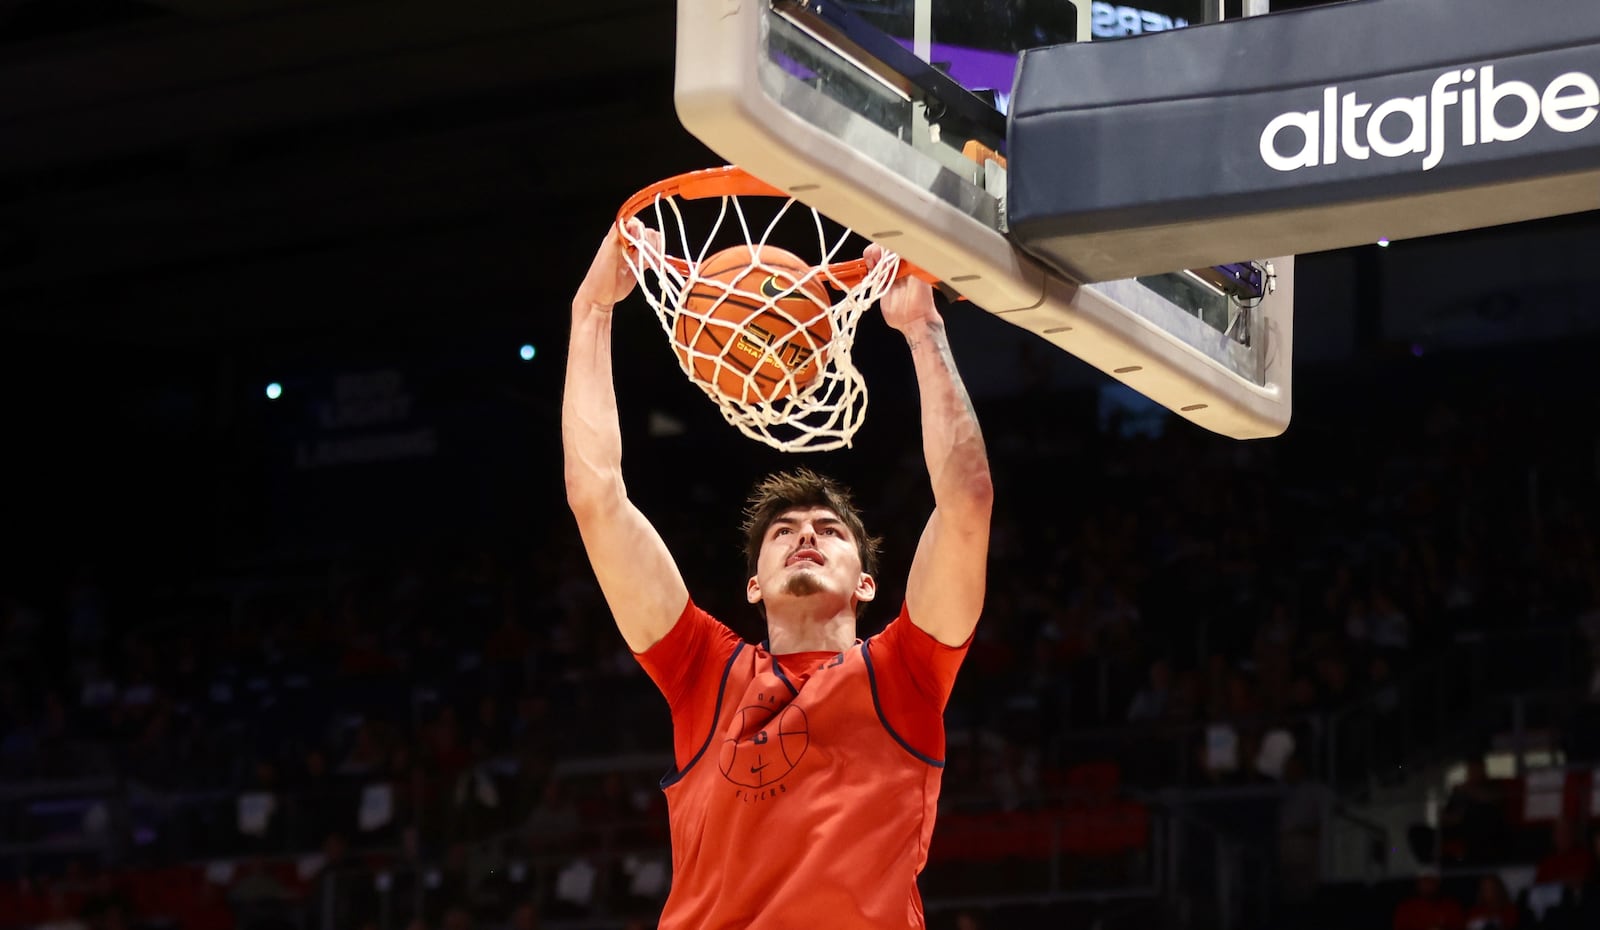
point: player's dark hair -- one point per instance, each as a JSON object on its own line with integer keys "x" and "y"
{"x": 801, "y": 489}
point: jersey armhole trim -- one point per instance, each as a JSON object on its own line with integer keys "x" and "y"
{"x": 673, "y": 777}
{"x": 877, "y": 705}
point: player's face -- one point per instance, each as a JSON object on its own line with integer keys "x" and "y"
{"x": 809, "y": 552}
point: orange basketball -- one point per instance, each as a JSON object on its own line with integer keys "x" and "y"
{"x": 754, "y": 313}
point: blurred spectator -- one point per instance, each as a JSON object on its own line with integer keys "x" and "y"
{"x": 1274, "y": 748}
{"x": 1570, "y": 862}
{"x": 329, "y": 891}
{"x": 1220, "y": 752}
{"x": 491, "y": 730}
{"x": 1332, "y": 679}
{"x": 259, "y": 900}
{"x": 1183, "y": 704}
{"x": 554, "y": 822}
{"x": 1387, "y": 627}
{"x": 525, "y": 916}
{"x": 1473, "y": 825}
{"x": 448, "y": 754}
{"x": 1493, "y": 909}
{"x": 1243, "y": 703}
{"x": 1150, "y": 703}
{"x": 1300, "y": 817}
{"x": 1586, "y": 913}
{"x": 1273, "y": 651}
{"x": 1429, "y": 908}
{"x": 1388, "y": 744}
{"x": 366, "y": 755}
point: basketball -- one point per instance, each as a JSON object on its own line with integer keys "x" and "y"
{"x": 754, "y": 312}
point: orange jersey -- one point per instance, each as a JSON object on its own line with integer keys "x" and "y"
{"x": 806, "y": 785}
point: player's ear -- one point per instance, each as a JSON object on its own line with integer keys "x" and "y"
{"x": 752, "y": 590}
{"x": 866, "y": 588}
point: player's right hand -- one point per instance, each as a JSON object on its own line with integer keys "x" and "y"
{"x": 609, "y": 279}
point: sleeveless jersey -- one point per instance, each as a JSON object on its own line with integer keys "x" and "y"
{"x": 805, "y": 785}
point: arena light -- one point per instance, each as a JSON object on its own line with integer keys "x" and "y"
{"x": 528, "y": 352}
{"x": 274, "y": 391}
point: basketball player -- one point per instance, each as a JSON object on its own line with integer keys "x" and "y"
{"x": 807, "y": 768}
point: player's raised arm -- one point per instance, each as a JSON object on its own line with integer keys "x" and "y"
{"x": 640, "y": 581}
{"x": 944, "y": 592}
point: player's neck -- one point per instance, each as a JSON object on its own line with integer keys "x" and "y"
{"x": 800, "y": 631}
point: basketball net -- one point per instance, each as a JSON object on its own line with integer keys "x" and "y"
{"x": 818, "y": 415}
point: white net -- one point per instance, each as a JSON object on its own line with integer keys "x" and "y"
{"x": 754, "y": 326}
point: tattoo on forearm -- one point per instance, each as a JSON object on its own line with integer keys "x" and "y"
{"x": 946, "y": 358}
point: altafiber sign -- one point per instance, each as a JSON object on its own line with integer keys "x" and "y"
{"x": 1303, "y": 130}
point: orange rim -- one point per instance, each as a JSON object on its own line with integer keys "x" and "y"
{"x": 733, "y": 181}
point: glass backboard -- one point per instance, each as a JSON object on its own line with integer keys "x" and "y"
{"x": 889, "y": 116}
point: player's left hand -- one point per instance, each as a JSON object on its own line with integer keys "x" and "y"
{"x": 908, "y": 302}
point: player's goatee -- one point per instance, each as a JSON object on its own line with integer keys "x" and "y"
{"x": 802, "y": 584}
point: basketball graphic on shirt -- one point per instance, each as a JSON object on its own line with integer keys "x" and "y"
{"x": 764, "y": 747}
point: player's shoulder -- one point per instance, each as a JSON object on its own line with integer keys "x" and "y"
{"x": 708, "y": 623}
{"x": 694, "y": 634}
{"x": 896, "y": 628}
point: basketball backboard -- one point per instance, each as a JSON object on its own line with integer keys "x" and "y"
{"x": 879, "y": 113}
